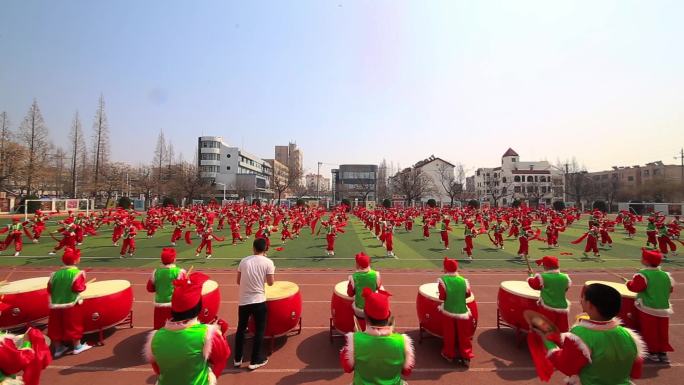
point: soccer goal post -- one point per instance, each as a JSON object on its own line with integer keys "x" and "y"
{"x": 55, "y": 205}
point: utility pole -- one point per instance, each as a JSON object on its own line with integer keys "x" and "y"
{"x": 681, "y": 159}
{"x": 318, "y": 181}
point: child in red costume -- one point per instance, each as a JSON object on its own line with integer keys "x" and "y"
{"x": 128, "y": 240}
{"x": 458, "y": 324}
{"x": 28, "y": 353}
{"x": 653, "y": 309}
{"x": 553, "y": 286}
{"x": 65, "y": 323}
{"x": 161, "y": 283}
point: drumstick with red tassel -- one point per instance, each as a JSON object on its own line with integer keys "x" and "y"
{"x": 529, "y": 267}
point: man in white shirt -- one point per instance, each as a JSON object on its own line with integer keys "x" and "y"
{"x": 253, "y": 272}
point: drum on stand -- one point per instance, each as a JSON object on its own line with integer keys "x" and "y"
{"x": 284, "y": 310}
{"x": 341, "y": 311}
{"x": 211, "y": 300}
{"x": 29, "y": 302}
{"x": 513, "y": 299}
{"x": 627, "y": 309}
{"x": 106, "y": 304}
{"x": 430, "y": 318}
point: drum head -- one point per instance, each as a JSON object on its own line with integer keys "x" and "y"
{"x": 103, "y": 288}
{"x": 431, "y": 291}
{"x": 520, "y": 288}
{"x": 341, "y": 290}
{"x": 620, "y": 287}
{"x": 280, "y": 290}
{"x": 25, "y": 285}
{"x": 209, "y": 286}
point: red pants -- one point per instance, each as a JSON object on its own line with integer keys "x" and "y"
{"x": 285, "y": 235}
{"x": 409, "y": 226}
{"x": 551, "y": 239}
{"x": 663, "y": 243}
{"x": 79, "y": 235}
{"x": 652, "y": 237}
{"x": 331, "y": 242}
{"x": 236, "y": 237}
{"x": 426, "y": 232}
{"x": 498, "y": 238}
{"x": 116, "y": 234}
{"x": 605, "y": 238}
{"x": 161, "y": 315}
{"x": 18, "y": 242}
{"x": 128, "y": 246}
{"x": 514, "y": 232}
{"x": 207, "y": 243}
{"x": 654, "y": 331}
{"x": 559, "y": 319}
{"x": 67, "y": 241}
{"x": 524, "y": 248}
{"x": 457, "y": 333}
{"x": 591, "y": 245}
{"x": 389, "y": 242}
{"x": 468, "y": 245}
{"x": 38, "y": 230}
{"x": 445, "y": 238}
{"x": 65, "y": 325}
{"x": 177, "y": 234}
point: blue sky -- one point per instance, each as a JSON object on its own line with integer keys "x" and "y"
{"x": 358, "y": 81}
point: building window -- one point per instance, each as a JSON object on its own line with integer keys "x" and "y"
{"x": 504, "y": 179}
{"x": 228, "y": 168}
{"x": 227, "y": 155}
{"x": 530, "y": 179}
{"x": 516, "y": 178}
{"x": 514, "y": 160}
{"x": 655, "y": 172}
{"x": 516, "y": 189}
{"x": 630, "y": 178}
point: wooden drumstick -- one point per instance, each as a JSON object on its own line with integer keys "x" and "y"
{"x": 91, "y": 281}
{"x": 189, "y": 271}
{"x": 529, "y": 267}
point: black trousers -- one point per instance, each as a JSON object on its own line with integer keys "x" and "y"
{"x": 258, "y": 312}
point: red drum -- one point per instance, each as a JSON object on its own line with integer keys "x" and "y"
{"x": 427, "y": 307}
{"x": 284, "y": 307}
{"x": 106, "y": 304}
{"x": 211, "y": 299}
{"x": 341, "y": 310}
{"x": 514, "y": 298}
{"x": 627, "y": 309}
{"x": 28, "y": 300}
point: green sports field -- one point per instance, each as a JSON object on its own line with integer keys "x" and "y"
{"x": 411, "y": 250}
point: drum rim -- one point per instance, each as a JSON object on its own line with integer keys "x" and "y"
{"x": 342, "y": 295}
{"x": 469, "y": 299}
{"x": 626, "y": 294}
{"x": 85, "y": 296}
{"x": 523, "y": 295}
{"x": 282, "y": 296}
{"x": 2, "y": 292}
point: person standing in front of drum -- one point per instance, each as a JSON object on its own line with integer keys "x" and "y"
{"x": 186, "y": 351}
{"x": 458, "y": 321}
{"x": 653, "y": 287}
{"x": 553, "y": 286}
{"x": 65, "y": 322}
{"x": 364, "y": 277}
{"x": 253, "y": 272}
{"x": 378, "y": 355}
{"x": 161, "y": 284}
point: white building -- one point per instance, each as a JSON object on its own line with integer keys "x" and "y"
{"x": 242, "y": 174}
{"x": 316, "y": 182}
{"x": 532, "y": 182}
{"x": 434, "y": 168}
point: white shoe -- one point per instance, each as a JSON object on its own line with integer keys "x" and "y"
{"x": 470, "y": 257}
{"x": 121, "y": 256}
{"x": 173, "y": 243}
{"x": 51, "y": 253}
{"x": 237, "y": 364}
{"x": 81, "y": 349}
{"x": 197, "y": 255}
{"x": 257, "y": 366}
{"x": 208, "y": 256}
{"x": 60, "y": 352}
{"x": 35, "y": 241}
{"x": 79, "y": 244}
{"x": 16, "y": 254}
{"x": 332, "y": 253}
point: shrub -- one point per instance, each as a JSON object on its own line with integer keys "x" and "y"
{"x": 431, "y": 202}
{"x": 347, "y": 203}
{"x": 169, "y": 202}
{"x": 386, "y": 203}
{"x": 516, "y": 203}
{"x": 256, "y": 202}
{"x": 474, "y": 203}
{"x": 124, "y": 202}
{"x": 300, "y": 202}
{"x": 600, "y": 205}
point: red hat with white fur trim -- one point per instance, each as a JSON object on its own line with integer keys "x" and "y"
{"x": 377, "y": 304}
{"x": 168, "y": 255}
{"x": 651, "y": 257}
{"x": 549, "y": 262}
{"x": 450, "y": 265}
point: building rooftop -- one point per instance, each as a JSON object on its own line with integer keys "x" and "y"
{"x": 510, "y": 152}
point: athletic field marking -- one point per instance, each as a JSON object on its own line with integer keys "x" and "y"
{"x": 308, "y": 258}
{"x": 308, "y": 370}
{"x": 313, "y": 271}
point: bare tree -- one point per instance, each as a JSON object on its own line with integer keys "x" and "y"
{"x": 448, "y": 183}
{"x": 160, "y": 158}
{"x": 412, "y": 183}
{"x": 497, "y": 190}
{"x": 578, "y": 185}
{"x": 77, "y": 142}
{"x": 100, "y": 141}
{"x": 281, "y": 182}
{"x": 383, "y": 187}
{"x": 460, "y": 179}
{"x": 170, "y": 156}
{"x": 34, "y": 135}
{"x": 8, "y": 151}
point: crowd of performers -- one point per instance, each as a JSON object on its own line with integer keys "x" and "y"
{"x": 375, "y": 353}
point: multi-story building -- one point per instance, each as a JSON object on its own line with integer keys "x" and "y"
{"x": 241, "y": 174}
{"x": 291, "y": 156}
{"x": 315, "y": 182}
{"x": 356, "y": 182}
{"x": 438, "y": 172}
{"x": 628, "y": 182}
{"x": 533, "y": 182}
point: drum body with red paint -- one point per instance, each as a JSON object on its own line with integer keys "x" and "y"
{"x": 28, "y": 300}
{"x": 341, "y": 309}
{"x": 427, "y": 308}
{"x": 284, "y": 309}
{"x": 513, "y": 299}
{"x": 106, "y": 304}
{"x": 211, "y": 301}
{"x": 627, "y": 309}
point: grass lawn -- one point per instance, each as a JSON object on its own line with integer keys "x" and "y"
{"x": 308, "y": 251}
